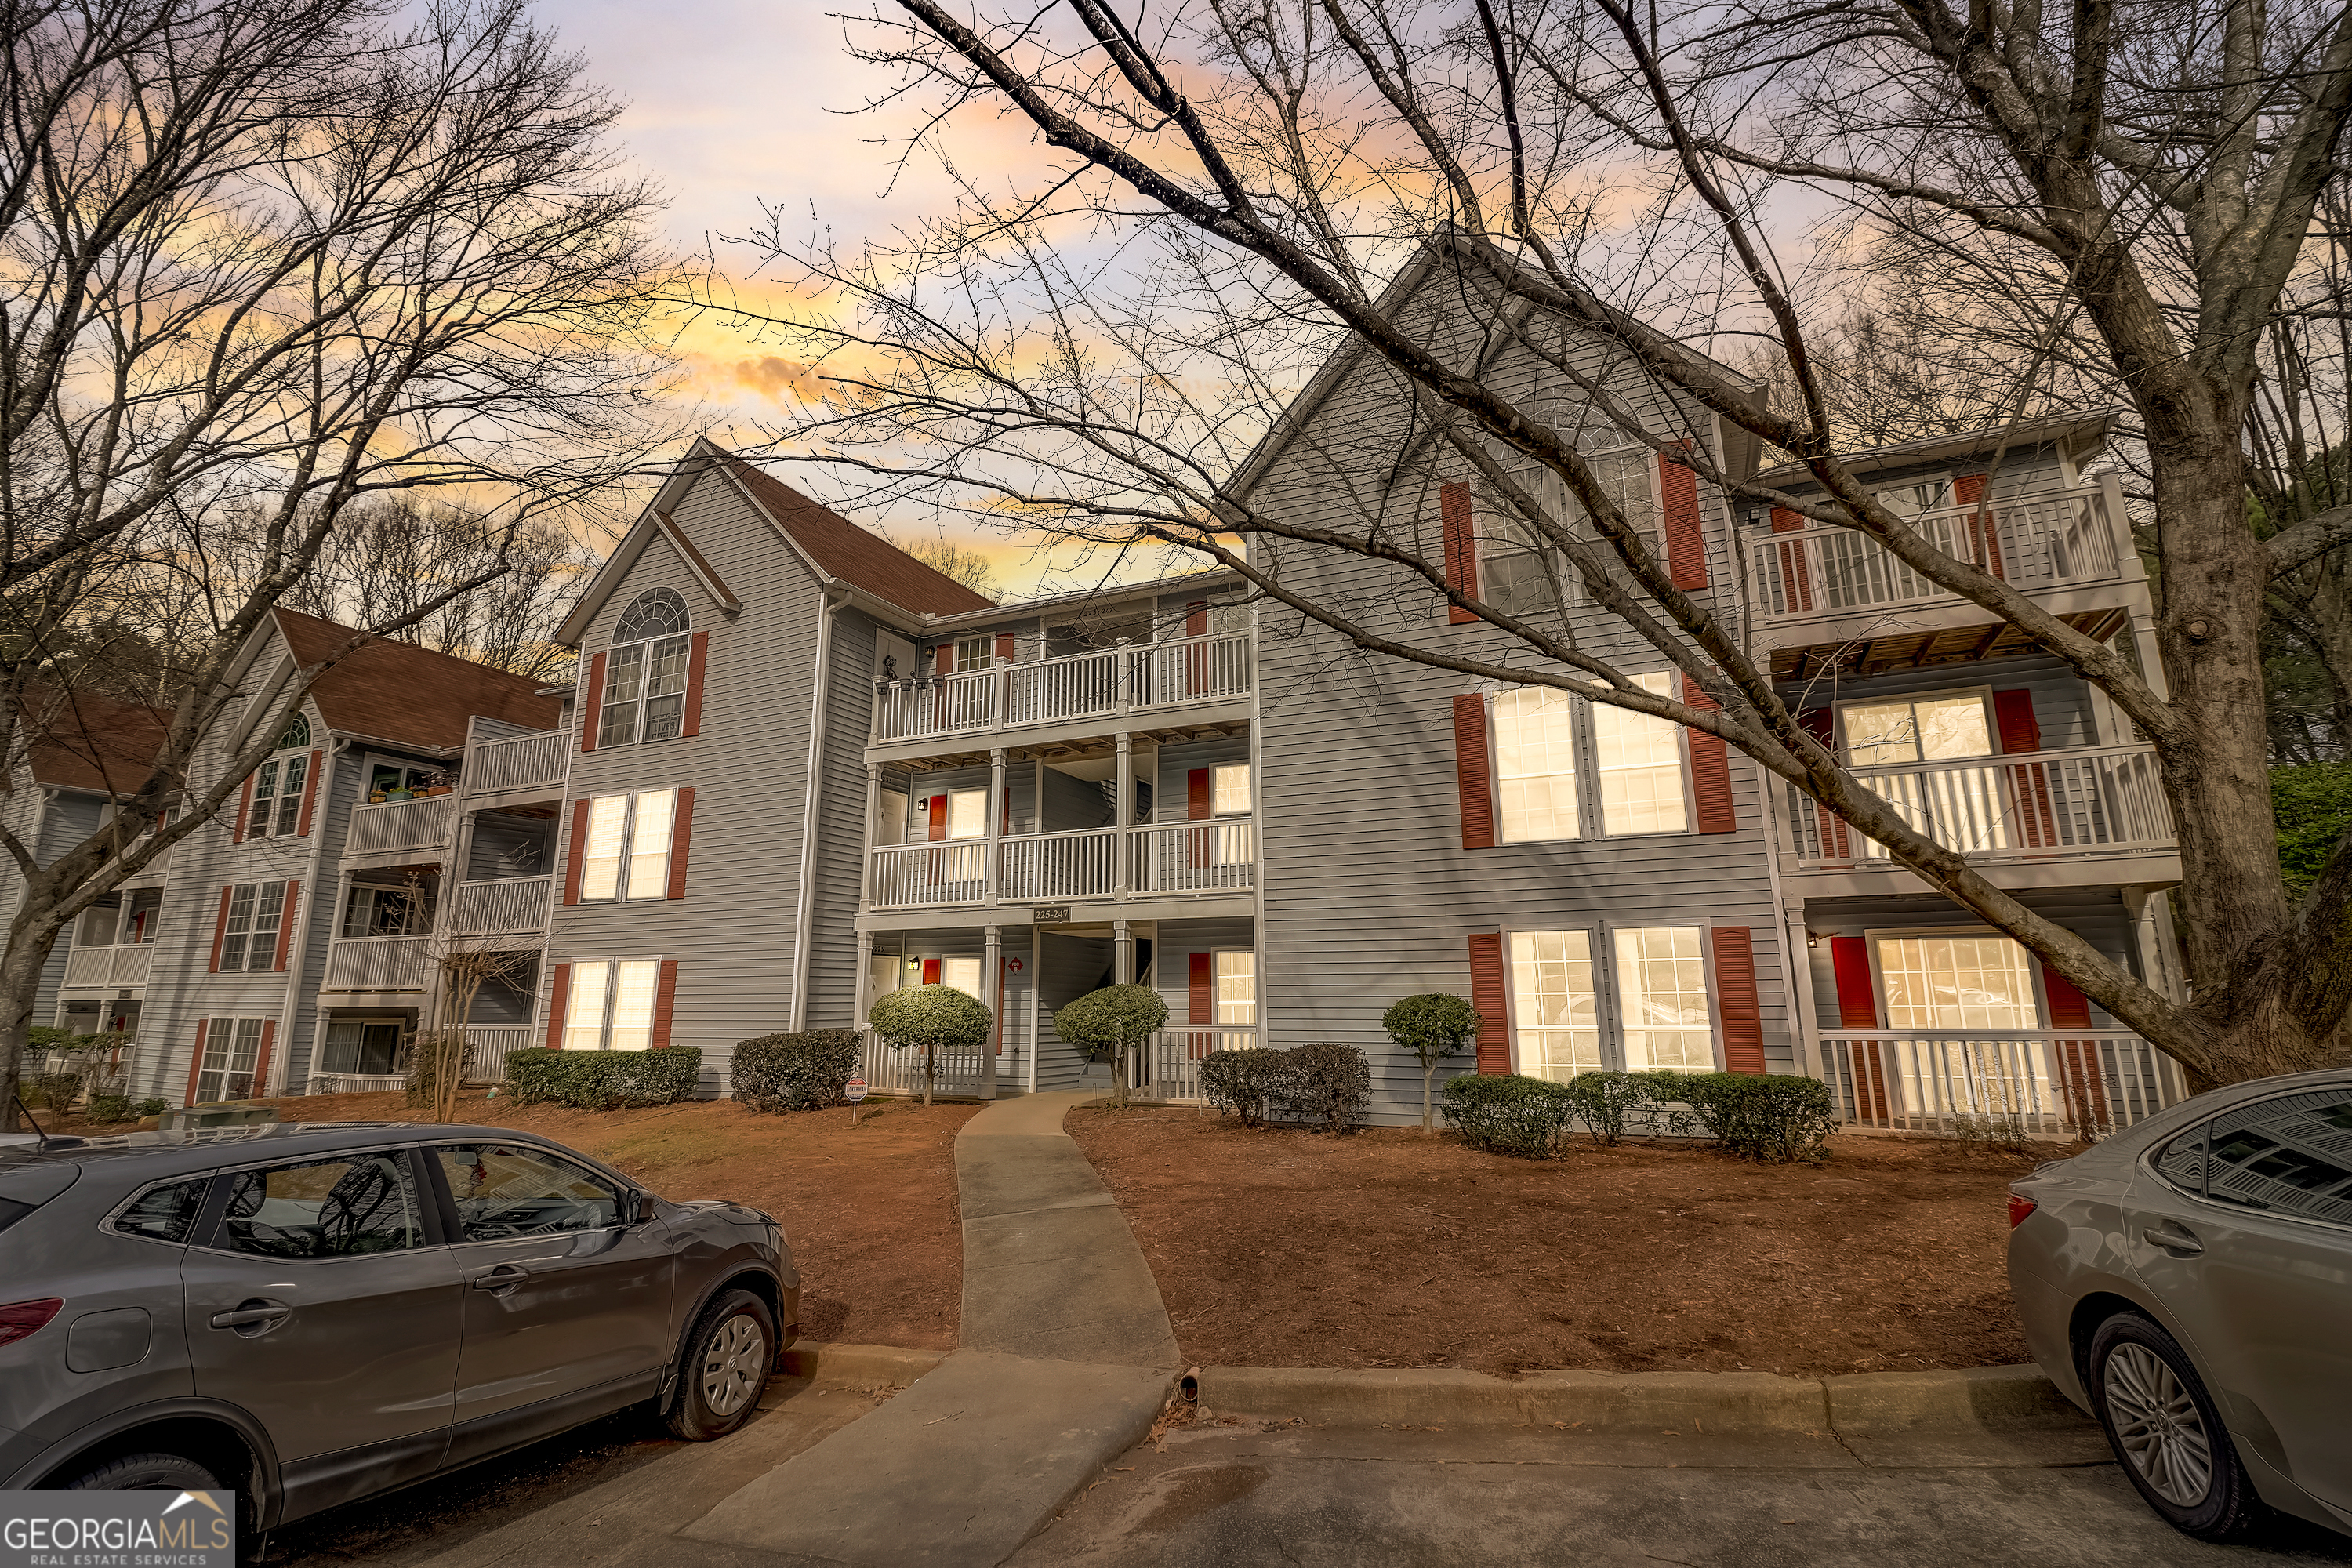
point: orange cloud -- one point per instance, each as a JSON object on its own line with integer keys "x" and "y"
{"x": 775, "y": 379}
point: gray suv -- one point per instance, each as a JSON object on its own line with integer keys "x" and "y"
{"x": 311, "y": 1314}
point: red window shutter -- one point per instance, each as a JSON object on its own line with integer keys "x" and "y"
{"x": 698, "y": 657}
{"x": 1201, "y": 976}
{"x": 2069, "y": 1008}
{"x": 930, "y": 972}
{"x": 1196, "y": 619}
{"x": 594, "y": 698}
{"x": 1006, "y": 647}
{"x": 1787, "y": 521}
{"x": 939, "y": 817}
{"x": 220, "y": 928}
{"x": 571, "y": 856}
{"x": 665, "y": 1002}
{"x": 1686, "y": 538}
{"x": 311, "y": 787}
{"x": 2081, "y": 1077}
{"x": 1486, "y": 996}
{"x": 244, "y": 805}
{"x": 1200, "y": 802}
{"x": 944, "y": 662}
{"x": 196, "y": 1063}
{"x": 1735, "y": 990}
{"x": 1710, "y": 760}
{"x": 1473, "y": 775}
{"x": 2012, "y": 711}
{"x": 1821, "y": 723}
{"x": 681, "y": 829}
{"x": 261, "y": 1057}
{"x": 558, "y": 1000}
{"x": 1857, "y": 995}
{"x": 286, "y": 921}
{"x": 1969, "y": 489}
{"x": 1461, "y": 542}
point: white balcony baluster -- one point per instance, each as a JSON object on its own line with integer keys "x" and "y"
{"x": 396, "y": 824}
{"x": 379, "y": 963}
{"x": 519, "y": 762}
{"x": 1195, "y": 857}
{"x": 1044, "y": 867}
{"x": 2054, "y": 1081}
{"x": 489, "y": 909}
{"x": 918, "y": 876}
{"x": 2028, "y": 805}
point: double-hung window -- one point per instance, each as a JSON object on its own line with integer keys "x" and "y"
{"x": 1928, "y": 728}
{"x": 611, "y": 1004}
{"x": 974, "y": 653}
{"x": 249, "y": 928}
{"x": 232, "y": 1052}
{"x": 1662, "y": 999}
{"x": 276, "y": 811}
{"x": 1640, "y": 766}
{"x": 1234, "y": 975}
{"x": 1555, "y": 1011}
{"x": 1958, "y": 980}
{"x": 1535, "y": 765}
{"x": 626, "y": 852}
{"x": 645, "y": 670}
{"x": 1232, "y": 789}
{"x": 1628, "y": 476}
{"x": 1517, "y": 572}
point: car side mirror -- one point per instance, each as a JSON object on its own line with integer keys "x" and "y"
{"x": 641, "y": 1209}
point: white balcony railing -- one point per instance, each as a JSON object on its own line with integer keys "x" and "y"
{"x": 2032, "y": 806}
{"x": 379, "y": 963}
{"x": 1181, "y": 859}
{"x": 2052, "y": 538}
{"x": 1056, "y": 690}
{"x": 2090, "y": 1081}
{"x": 1170, "y": 1067}
{"x": 100, "y": 966}
{"x": 400, "y": 824}
{"x": 486, "y": 1045}
{"x": 899, "y": 1069}
{"x": 519, "y": 762}
{"x": 491, "y": 909}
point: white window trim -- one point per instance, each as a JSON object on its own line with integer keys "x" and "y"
{"x": 245, "y": 964}
{"x": 1249, "y": 808}
{"x": 1706, "y": 958}
{"x": 1983, "y": 693}
{"x": 623, "y": 890}
{"x": 272, "y": 806}
{"x": 612, "y": 963}
{"x": 1870, "y": 939}
{"x": 228, "y": 1056}
{"x": 645, "y": 671}
{"x": 1584, "y": 759}
{"x": 1682, "y": 751}
{"x": 1604, "y": 1002}
{"x": 1257, "y": 992}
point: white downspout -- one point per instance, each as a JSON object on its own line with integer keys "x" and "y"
{"x": 807, "y": 895}
{"x": 299, "y": 953}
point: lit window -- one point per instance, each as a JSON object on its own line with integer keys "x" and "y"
{"x": 963, "y": 973}
{"x": 611, "y": 1007}
{"x": 1640, "y": 764}
{"x": 626, "y": 851}
{"x": 1917, "y": 729}
{"x": 1960, "y": 981}
{"x": 1535, "y": 765}
{"x": 1662, "y": 991}
{"x": 1236, "y": 983}
{"x": 645, "y": 671}
{"x": 967, "y": 814}
{"x": 1234, "y": 789}
{"x": 1555, "y": 1015}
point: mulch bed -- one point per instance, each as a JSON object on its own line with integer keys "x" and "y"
{"x": 870, "y": 1212}
{"x": 1278, "y": 1246}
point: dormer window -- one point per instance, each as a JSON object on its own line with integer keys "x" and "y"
{"x": 645, "y": 671}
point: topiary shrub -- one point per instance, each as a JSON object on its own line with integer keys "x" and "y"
{"x": 1508, "y": 1113}
{"x": 1776, "y": 1117}
{"x": 1432, "y": 1027}
{"x": 604, "y": 1080}
{"x": 806, "y": 1071}
{"x": 930, "y": 1019}
{"x": 1115, "y": 1018}
{"x": 1605, "y": 1101}
{"x": 1328, "y": 1082}
{"x": 1244, "y": 1081}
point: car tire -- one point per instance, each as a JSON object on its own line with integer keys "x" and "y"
{"x": 727, "y": 1360}
{"x": 145, "y": 1473}
{"x": 2166, "y": 1433}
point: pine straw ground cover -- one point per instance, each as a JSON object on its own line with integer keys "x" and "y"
{"x": 870, "y": 1212}
{"x": 1278, "y": 1246}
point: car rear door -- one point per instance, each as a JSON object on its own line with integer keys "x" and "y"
{"x": 2243, "y": 1230}
{"x": 567, "y": 1306}
{"x": 319, "y": 1298}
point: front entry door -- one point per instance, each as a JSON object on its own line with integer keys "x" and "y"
{"x": 567, "y": 1309}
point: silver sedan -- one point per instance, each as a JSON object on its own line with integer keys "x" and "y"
{"x": 2188, "y": 1282}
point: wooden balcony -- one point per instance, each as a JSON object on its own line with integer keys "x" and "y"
{"x": 1108, "y": 682}
{"x": 418, "y": 829}
{"x": 379, "y": 963}
{"x": 521, "y": 765}
{"x": 517, "y": 904}
{"x": 1179, "y": 859}
{"x": 2055, "y": 1081}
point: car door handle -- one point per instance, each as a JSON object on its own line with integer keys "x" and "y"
{"x": 252, "y": 1314}
{"x": 2175, "y": 1237}
{"x": 504, "y": 1277}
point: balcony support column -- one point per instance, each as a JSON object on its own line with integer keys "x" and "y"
{"x": 1122, "y": 817}
{"x": 993, "y": 870}
{"x": 1122, "y": 954}
{"x": 862, "y": 985}
{"x": 992, "y": 979}
{"x": 865, "y": 855}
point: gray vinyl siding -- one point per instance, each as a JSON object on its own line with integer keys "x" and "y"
{"x": 69, "y": 820}
{"x": 841, "y": 825}
{"x": 505, "y": 847}
{"x": 2095, "y": 914}
{"x": 1368, "y": 895}
{"x": 733, "y": 933}
{"x": 1171, "y": 958}
{"x": 2061, "y": 698}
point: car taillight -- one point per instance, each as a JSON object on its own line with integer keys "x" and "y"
{"x": 2020, "y": 1206}
{"x": 18, "y": 1318}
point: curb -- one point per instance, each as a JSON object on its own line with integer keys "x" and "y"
{"x": 857, "y": 1363}
{"x": 1889, "y": 1403}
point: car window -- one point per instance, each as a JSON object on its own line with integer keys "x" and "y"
{"x": 507, "y": 1190}
{"x": 166, "y": 1212}
{"x": 2182, "y": 1161}
{"x": 346, "y": 1207}
{"x": 2290, "y": 1155}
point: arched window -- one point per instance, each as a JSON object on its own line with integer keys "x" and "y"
{"x": 298, "y": 732}
{"x": 645, "y": 671}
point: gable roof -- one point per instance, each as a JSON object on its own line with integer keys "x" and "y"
{"x": 94, "y": 743}
{"x": 396, "y": 691}
{"x": 857, "y": 557}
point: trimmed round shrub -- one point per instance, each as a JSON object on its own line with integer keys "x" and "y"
{"x": 1096, "y": 1021}
{"x": 1328, "y": 1082}
{"x": 1781, "y": 1118}
{"x": 939, "y": 1016}
{"x": 1605, "y": 1101}
{"x": 807, "y": 1071}
{"x": 152, "y": 1106}
{"x": 1242, "y": 1081}
{"x": 108, "y": 1108}
{"x": 1432, "y": 1027}
{"x": 1508, "y": 1113}
{"x": 604, "y": 1080}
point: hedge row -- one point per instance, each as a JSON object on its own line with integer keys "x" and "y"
{"x": 1327, "y": 1082}
{"x": 1774, "y": 1117}
{"x": 604, "y": 1080}
{"x": 807, "y": 1071}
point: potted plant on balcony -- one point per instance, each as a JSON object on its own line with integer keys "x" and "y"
{"x": 440, "y": 783}
{"x": 399, "y": 792}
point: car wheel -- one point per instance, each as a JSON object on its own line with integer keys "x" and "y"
{"x": 145, "y": 1473}
{"x": 727, "y": 1358}
{"x": 2166, "y": 1431}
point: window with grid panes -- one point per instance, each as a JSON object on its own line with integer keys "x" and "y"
{"x": 626, "y": 852}
{"x": 1662, "y": 999}
{"x": 1555, "y": 1012}
{"x": 645, "y": 671}
{"x": 275, "y": 810}
{"x": 1641, "y": 765}
{"x": 249, "y": 934}
{"x": 1535, "y": 765}
{"x": 232, "y": 1050}
{"x": 1957, "y": 981}
{"x": 611, "y": 1007}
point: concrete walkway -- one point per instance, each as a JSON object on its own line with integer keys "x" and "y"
{"x": 1066, "y": 1359}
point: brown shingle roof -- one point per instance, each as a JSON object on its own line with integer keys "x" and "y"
{"x": 853, "y": 555}
{"x": 398, "y": 692}
{"x": 92, "y": 742}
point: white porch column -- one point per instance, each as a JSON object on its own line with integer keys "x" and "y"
{"x": 1123, "y": 814}
{"x": 1802, "y": 1022}
{"x": 1029, "y": 1008}
{"x": 1122, "y": 948}
{"x": 995, "y": 850}
{"x": 865, "y": 849}
{"x": 864, "y": 988}
{"x": 992, "y": 977}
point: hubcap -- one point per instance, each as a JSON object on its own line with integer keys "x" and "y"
{"x": 2158, "y": 1424}
{"x": 734, "y": 1365}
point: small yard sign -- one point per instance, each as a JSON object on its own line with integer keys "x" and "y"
{"x": 854, "y": 1091}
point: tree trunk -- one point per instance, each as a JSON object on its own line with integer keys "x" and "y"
{"x": 30, "y": 941}
{"x": 1428, "y": 1071}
